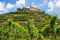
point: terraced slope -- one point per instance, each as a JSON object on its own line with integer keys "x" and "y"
{"x": 22, "y": 17}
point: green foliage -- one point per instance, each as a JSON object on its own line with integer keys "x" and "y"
{"x": 20, "y": 18}
{"x": 38, "y": 26}
{"x": 32, "y": 30}
{"x": 46, "y": 30}
{"x": 53, "y": 24}
{"x": 58, "y": 30}
{"x": 53, "y": 21}
{"x": 14, "y": 30}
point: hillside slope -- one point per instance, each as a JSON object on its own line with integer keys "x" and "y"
{"x": 26, "y": 24}
{"x": 22, "y": 17}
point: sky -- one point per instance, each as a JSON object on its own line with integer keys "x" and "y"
{"x": 49, "y": 6}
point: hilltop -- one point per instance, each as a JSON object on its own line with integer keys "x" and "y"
{"x": 21, "y": 16}
{"x": 29, "y": 24}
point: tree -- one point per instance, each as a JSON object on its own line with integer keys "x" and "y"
{"x": 32, "y": 30}
{"x": 53, "y": 24}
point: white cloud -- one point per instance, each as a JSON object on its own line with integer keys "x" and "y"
{"x": 54, "y": 5}
{"x": 2, "y": 8}
{"x": 5, "y": 7}
{"x": 58, "y": 4}
{"x": 50, "y": 6}
{"x": 33, "y": 3}
{"x": 56, "y": 0}
{"x": 34, "y": 6}
{"x": 9, "y": 6}
{"x": 2, "y": 5}
{"x": 20, "y": 3}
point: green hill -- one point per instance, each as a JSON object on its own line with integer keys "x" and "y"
{"x": 29, "y": 25}
{"x": 22, "y": 17}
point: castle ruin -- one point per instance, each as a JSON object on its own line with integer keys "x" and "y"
{"x": 31, "y": 8}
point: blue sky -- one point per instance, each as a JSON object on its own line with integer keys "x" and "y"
{"x": 49, "y": 6}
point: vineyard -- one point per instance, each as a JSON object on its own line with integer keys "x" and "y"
{"x": 29, "y": 25}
